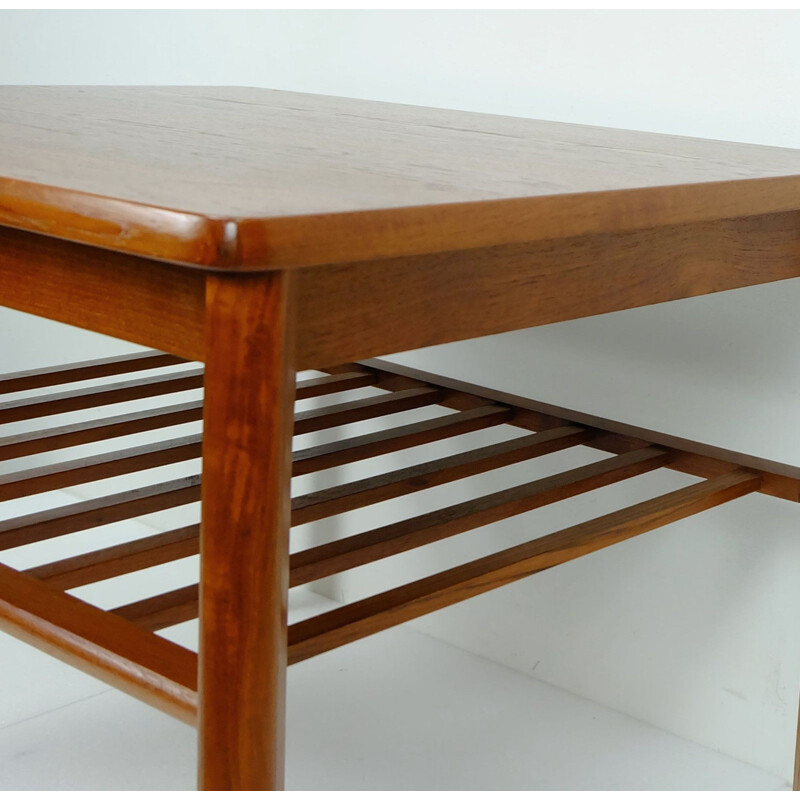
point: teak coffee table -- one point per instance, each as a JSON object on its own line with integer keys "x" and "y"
{"x": 265, "y": 233}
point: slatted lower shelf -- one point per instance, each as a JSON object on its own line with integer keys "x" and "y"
{"x": 121, "y": 645}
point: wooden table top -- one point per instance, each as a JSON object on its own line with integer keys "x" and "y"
{"x": 255, "y": 179}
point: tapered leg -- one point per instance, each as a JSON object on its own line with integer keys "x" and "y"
{"x": 249, "y": 393}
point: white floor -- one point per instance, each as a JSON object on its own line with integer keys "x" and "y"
{"x": 399, "y": 710}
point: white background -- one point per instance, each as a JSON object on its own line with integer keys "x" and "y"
{"x": 695, "y": 628}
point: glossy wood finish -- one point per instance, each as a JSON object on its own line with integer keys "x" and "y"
{"x": 334, "y": 454}
{"x": 351, "y": 311}
{"x": 415, "y": 227}
{"x": 379, "y": 612}
{"x": 87, "y": 514}
{"x": 294, "y": 179}
{"x": 142, "y": 301}
{"x": 88, "y": 370}
{"x": 247, "y": 430}
{"x": 47, "y": 439}
{"x": 79, "y": 399}
{"x": 98, "y": 467}
{"x": 121, "y": 559}
{"x": 695, "y": 458}
{"x": 244, "y": 532}
{"x": 364, "y": 548}
{"x": 385, "y": 486}
{"x": 154, "y": 670}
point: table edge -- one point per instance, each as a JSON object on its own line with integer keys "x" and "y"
{"x": 247, "y": 244}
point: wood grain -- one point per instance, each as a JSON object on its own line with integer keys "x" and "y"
{"x": 42, "y": 525}
{"x": 696, "y": 458}
{"x": 46, "y": 440}
{"x": 390, "y": 440}
{"x": 367, "y": 408}
{"x": 251, "y": 178}
{"x": 136, "y": 299}
{"x": 416, "y": 227}
{"x": 150, "y": 668}
{"x": 92, "y": 397}
{"x": 397, "y": 537}
{"x": 162, "y": 610}
{"x": 385, "y": 486}
{"x": 244, "y": 548}
{"x": 161, "y": 548}
{"x": 120, "y": 559}
{"x": 363, "y": 618}
{"x": 331, "y": 384}
{"x": 351, "y": 312}
{"x": 98, "y": 467}
{"x": 85, "y": 370}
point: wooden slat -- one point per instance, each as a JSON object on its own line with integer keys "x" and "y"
{"x": 40, "y": 526}
{"x": 694, "y": 458}
{"x": 149, "y": 667}
{"x": 101, "y": 511}
{"x": 180, "y": 605}
{"x": 79, "y": 399}
{"x": 330, "y": 384}
{"x": 172, "y": 607}
{"x": 353, "y": 551}
{"x": 86, "y": 370}
{"x": 368, "y": 408}
{"x": 380, "y": 443}
{"x": 121, "y": 559}
{"x": 99, "y": 467}
{"x": 148, "y": 456}
{"x": 376, "y": 488}
{"x": 95, "y": 430}
{"x": 356, "y": 620}
{"x": 164, "y": 547}
{"x": 163, "y": 610}
{"x": 397, "y": 382}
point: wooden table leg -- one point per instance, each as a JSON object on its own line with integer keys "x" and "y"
{"x": 249, "y": 393}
